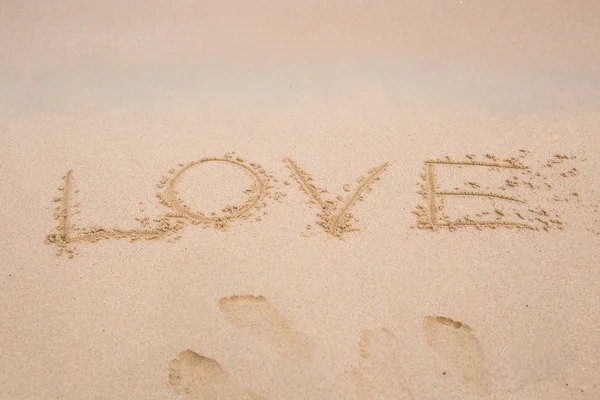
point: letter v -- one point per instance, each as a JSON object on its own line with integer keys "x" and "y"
{"x": 334, "y": 216}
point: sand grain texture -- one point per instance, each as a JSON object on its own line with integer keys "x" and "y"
{"x": 186, "y": 139}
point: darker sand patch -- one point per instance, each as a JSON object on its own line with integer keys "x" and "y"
{"x": 201, "y": 378}
{"x": 456, "y": 345}
{"x": 259, "y": 317}
{"x": 379, "y": 373}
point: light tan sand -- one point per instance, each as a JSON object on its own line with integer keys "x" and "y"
{"x": 458, "y": 145}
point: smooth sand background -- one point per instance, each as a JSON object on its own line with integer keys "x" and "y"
{"x": 122, "y": 91}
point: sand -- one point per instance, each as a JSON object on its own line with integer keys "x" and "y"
{"x": 300, "y": 200}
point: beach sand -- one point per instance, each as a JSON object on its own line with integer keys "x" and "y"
{"x": 405, "y": 198}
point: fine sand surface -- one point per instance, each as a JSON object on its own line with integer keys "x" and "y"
{"x": 300, "y": 199}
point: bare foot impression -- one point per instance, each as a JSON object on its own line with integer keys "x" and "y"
{"x": 456, "y": 345}
{"x": 201, "y": 378}
{"x": 379, "y": 374}
{"x": 334, "y": 216}
{"x": 257, "y": 315}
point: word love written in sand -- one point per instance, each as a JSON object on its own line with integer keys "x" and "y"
{"x": 502, "y": 193}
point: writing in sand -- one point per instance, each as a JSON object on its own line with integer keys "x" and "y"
{"x": 485, "y": 192}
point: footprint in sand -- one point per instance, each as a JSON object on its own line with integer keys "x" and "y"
{"x": 379, "y": 374}
{"x": 456, "y": 345}
{"x": 257, "y": 315}
{"x": 201, "y": 378}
